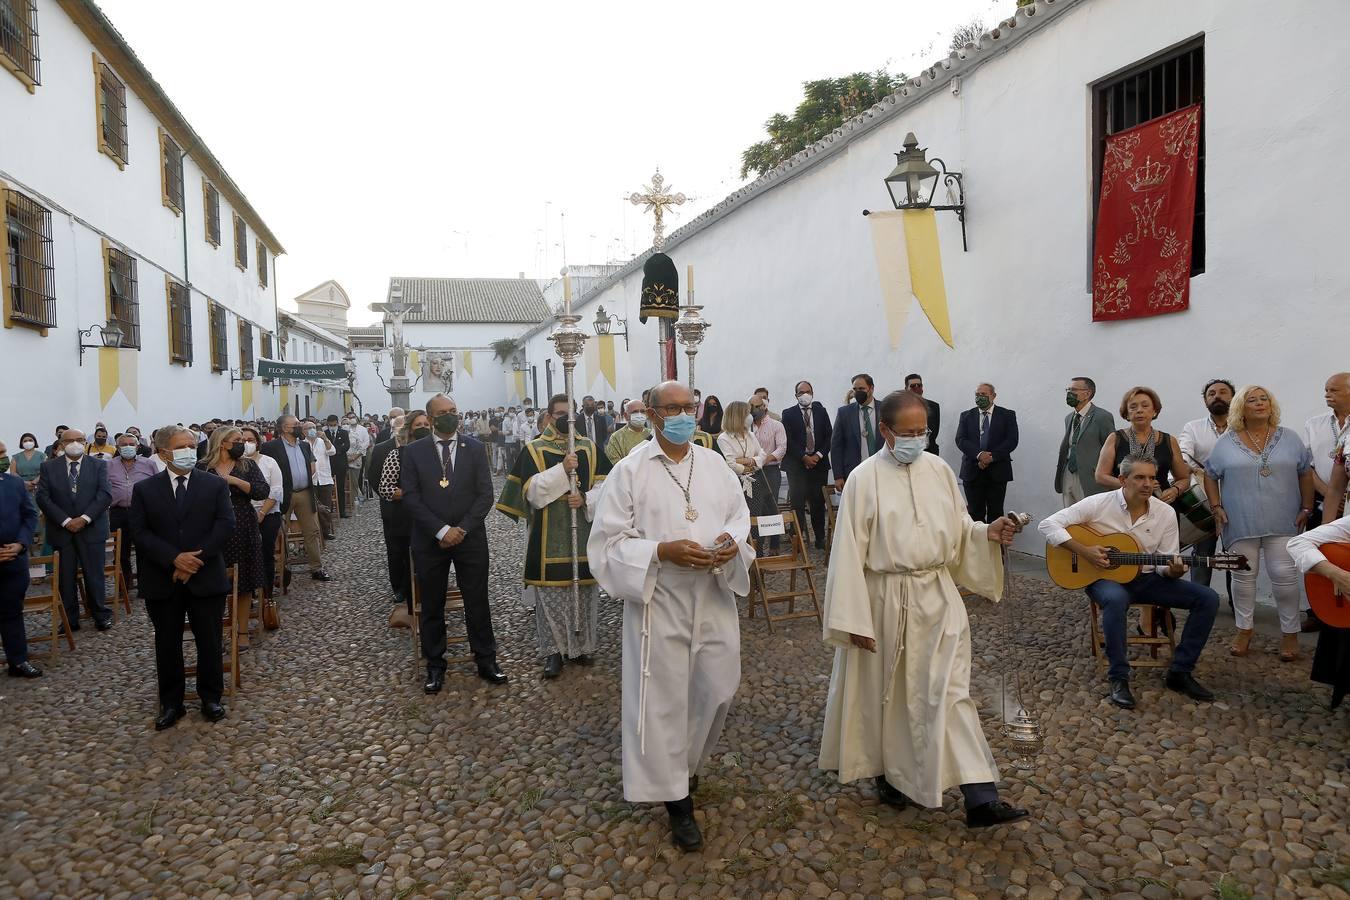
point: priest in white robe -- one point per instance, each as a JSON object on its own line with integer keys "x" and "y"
{"x": 899, "y": 708}
{"x": 669, "y": 537}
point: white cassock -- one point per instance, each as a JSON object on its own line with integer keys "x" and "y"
{"x": 681, "y": 633}
{"x": 902, "y": 540}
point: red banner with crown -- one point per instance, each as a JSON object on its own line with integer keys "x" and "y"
{"x": 1142, "y": 248}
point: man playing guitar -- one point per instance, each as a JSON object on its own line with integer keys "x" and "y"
{"x": 1331, "y": 662}
{"x": 1152, "y": 523}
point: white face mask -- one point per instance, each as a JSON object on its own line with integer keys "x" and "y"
{"x": 805, "y": 399}
{"x": 184, "y": 458}
{"x": 749, "y": 422}
{"x": 250, "y": 448}
{"x": 637, "y": 420}
{"x": 29, "y": 445}
{"x": 75, "y": 449}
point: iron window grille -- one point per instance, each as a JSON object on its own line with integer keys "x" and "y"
{"x": 19, "y": 40}
{"x": 30, "y": 282}
{"x": 123, "y": 304}
{"x": 240, "y": 243}
{"x": 246, "y": 368}
{"x": 211, "y": 199}
{"x": 173, "y": 173}
{"x": 112, "y": 108}
{"x": 220, "y": 354}
{"x": 262, "y": 264}
{"x": 265, "y": 349}
{"x": 1172, "y": 80}
{"x": 180, "y": 323}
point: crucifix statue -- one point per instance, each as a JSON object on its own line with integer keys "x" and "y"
{"x": 660, "y": 283}
{"x": 395, "y": 311}
{"x": 656, "y": 200}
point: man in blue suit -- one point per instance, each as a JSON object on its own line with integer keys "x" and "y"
{"x": 855, "y": 430}
{"x": 181, "y": 520}
{"x": 986, "y": 437}
{"x": 18, "y": 521}
{"x": 74, "y": 494}
{"x": 447, "y": 493}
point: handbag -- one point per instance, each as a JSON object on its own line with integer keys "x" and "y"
{"x": 271, "y": 614}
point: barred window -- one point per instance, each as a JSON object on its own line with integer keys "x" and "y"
{"x": 220, "y": 353}
{"x": 211, "y": 202}
{"x": 246, "y": 368}
{"x": 112, "y": 114}
{"x": 265, "y": 349}
{"x": 180, "y": 322}
{"x": 29, "y": 277}
{"x": 240, "y": 243}
{"x": 123, "y": 303}
{"x": 171, "y": 172}
{"x": 19, "y": 41}
{"x": 1156, "y": 87}
{"x": 262, "y": 264}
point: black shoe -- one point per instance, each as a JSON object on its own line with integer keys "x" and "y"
{"x": 489, "y": 672}
{"x": 24, "y": 669}
{"x": 890, "y": 796}
{"x": 61, "y": 631}
{"x": 820, "y": 543}
{"x": 104, "y": 625}
{"x": 685, "y": 831}
{"x": 330, "y": 537}
{"x": 169, "y": 716}
{"x": 1120, "y": 693}
{"x": 995, "y": 813}
{"x": 213, "y": 712}
{"x": 552, "y": 666}
{"x": 584, "y": 659}
{"x": 435, "y": 681}
{"x": 1184, "y": 683}
{"x": 1311, "y": 622}
{"x": 286, "y": 577}
{"x": 320, "y": 575}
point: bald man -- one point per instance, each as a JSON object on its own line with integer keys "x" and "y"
{"x": 622, "y": 441}
{"x": 1325, "y": 435}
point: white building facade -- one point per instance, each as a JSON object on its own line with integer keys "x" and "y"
{"x": 786, "y": 274}
{"x": 302, "y": 341}
{"x": 115, "y": 209}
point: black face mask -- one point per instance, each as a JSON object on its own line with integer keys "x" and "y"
{"x": 861, "y": 396}
{"x": 446, "y": 423}
{"x": 561, "y": 425}
{"x": 1219, "y": 407}
{"x": 419, "y": 433}
{"x": 236, "y": 451}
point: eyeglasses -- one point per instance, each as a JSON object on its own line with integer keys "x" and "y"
{"x": 673, "y": 409}
{"x": 912, "y": 434}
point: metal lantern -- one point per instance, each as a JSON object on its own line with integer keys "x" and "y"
{"x": 914, "y": 180}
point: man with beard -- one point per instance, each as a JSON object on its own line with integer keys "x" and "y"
{"x": 1197, "y": 440}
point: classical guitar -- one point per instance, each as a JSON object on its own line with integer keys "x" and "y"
{"x": 1069, "y": 570}
{"x": 1331, "y": 607}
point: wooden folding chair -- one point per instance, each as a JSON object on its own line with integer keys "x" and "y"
{"x": 793, "y": 563}
{"x": 830, "y": 491}
{"x": 229, "y": 634}
{"x": 44, "y": 598}
{"x": 112, "y": 572}
{"x": 1159, "y": 629}
{"x": 282, "y": 553}
{"x": 454, "y": 602}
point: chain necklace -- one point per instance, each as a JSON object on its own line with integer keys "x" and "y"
{"x": 1264, "y": 450}
{"x": 1337, "y": 434}
{"x": 1215, "y": 428}
{"x": 1145, "y": 449}
{"x": 689, "y": 512}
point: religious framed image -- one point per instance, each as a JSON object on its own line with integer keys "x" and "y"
{"x": 439, "y": 366}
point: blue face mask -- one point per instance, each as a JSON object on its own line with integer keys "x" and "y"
{"x": 908, "y": 449}
{"x": 678, "y": 429}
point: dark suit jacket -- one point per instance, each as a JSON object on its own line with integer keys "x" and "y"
{"x": 275, "y": 449}
{"x": 934, "y": 423}
{"x": 1091, "y": 436}
{"x": 161, "y": 532}
{"x": 18, "y": 518}
{"x": 342, "y": 442}
{"x": 846, "y": 449}
{"x": 58, "y": 503}
{"x": 1002, "y": 442}
{"x": 604, "y": 427}
{"x": 384, "y": 434}
{"x": 464, "y": 504}
{"x": 794, "y": 423}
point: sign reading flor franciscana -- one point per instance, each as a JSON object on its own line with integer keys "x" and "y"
{"x": 270, "y": 368}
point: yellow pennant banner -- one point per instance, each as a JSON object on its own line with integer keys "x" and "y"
{"x": 318, "y": 401}
{"x": 118, "y": 371}
{"x": 247, "y": 392}
{"x": 346, "y": 401}
{"x": 520, "y": 384}
{"x": 467, "y": 356}
{"x": 606, "y": 347}
{"x": 414, "y": 362}
{"x": 286, "y": 398}
{"x": 590, "y": 363}
{"x": 909, "y": 265}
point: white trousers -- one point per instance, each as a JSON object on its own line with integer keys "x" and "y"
{"x": 1284, "y": 577}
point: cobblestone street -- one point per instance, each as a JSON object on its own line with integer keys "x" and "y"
{"x": 334, "y": 775}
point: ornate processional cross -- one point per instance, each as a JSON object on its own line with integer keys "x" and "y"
{"x": 656, "y": 200}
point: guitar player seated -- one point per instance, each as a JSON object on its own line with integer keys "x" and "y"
{"x": 1152, "y": 523}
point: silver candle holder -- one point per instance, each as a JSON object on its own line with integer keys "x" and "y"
{"x": 690, "y": 329}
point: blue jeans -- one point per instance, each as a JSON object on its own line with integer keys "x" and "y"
{"x": 1114, "y": 599}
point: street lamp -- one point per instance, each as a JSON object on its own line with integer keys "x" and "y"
{"x": 110, "y": 336}
{"x": 914, "y": 180}
{"x": 349, "y": 364}
{"x": 604, "y": 324}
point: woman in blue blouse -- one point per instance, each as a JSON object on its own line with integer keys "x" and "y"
{"x": 1260, "y": 486}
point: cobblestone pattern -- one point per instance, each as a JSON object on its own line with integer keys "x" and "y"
{"x": 335, "y": 776}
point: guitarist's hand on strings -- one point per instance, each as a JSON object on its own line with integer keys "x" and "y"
{"x": 1176, "y": 568}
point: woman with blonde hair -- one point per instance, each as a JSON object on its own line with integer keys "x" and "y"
{"x": 1259, "y": 484}
{"x": 1140, "y": 407}
{"x": 225, "y": 457}
{"x": 739, "y": 446}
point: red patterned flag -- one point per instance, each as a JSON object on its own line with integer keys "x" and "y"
{"x": 1142, "y": 251}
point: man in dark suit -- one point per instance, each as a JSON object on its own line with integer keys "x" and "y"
{"x": 342, "y": 442}
{"x": 986, "y": 437}
{"x": 808, "y": 458}
{"x": 181, "y": 520}
{"x": 1086, "y": 429}
{"x": 914, "y": 384}
{"x": 18, "y": 521}
{"x": 292, "y": 453}
{"x": 593, "y": 423}
{"x": 855, "y": 430}
{"x": 74, "y": 494}
{"x": 447, "y": 493}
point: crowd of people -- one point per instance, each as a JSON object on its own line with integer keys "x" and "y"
{"x": 612, "y": 505}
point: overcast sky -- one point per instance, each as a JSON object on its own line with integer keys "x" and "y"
{"x": 418, "y": 137}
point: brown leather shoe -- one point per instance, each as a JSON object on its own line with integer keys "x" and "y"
{"x": 1242, "y": 642}
{"x": 1288, "y": 647}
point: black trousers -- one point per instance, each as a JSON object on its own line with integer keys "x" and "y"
{"x": 432, "y": 571}
{"x": 269, "y": 528}
{"x": 984, "y": 498}
{"x": 88, "y": 556}
{"x": 119, "y": 519}
{"x": 204, "y": 614}
{"x": 13, "y": 586}
{"x": 804, "y": 487}
{"x": 396, "y": 548}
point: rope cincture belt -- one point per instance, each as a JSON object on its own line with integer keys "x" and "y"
{"x": 900, "y": 626}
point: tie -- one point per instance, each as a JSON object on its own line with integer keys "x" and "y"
{"x": 74, "y": 477}
{"x": 180, "y": 492}
{"x": 590, "y": 427}
{"x": 810, "y": 435}
{"x": 984, "y": 430}
{"x": 867, "y": 430}
{"x": 447, "y": 461}
{"x": 1073, "y": 442}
